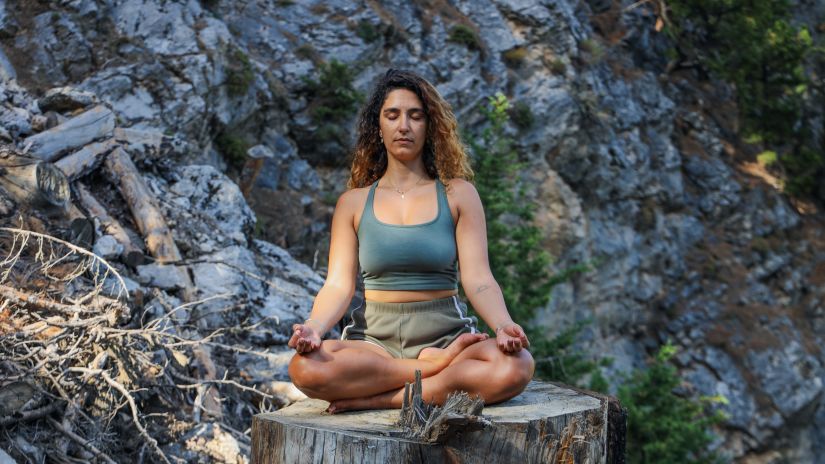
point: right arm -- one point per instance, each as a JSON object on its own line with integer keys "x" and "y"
{"x": 334, "y": 297}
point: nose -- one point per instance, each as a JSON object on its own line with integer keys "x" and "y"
{"x": 404, "y": 123}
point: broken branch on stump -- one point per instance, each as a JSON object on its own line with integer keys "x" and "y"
{"x": 434, "y": 424}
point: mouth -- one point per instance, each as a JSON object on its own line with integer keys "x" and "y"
{"x": 404, "y": 140}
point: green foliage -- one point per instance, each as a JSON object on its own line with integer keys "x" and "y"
{"x": 557, "y": 66}
{"x": 556, "y": 358}
{"x": 766, "y": 158}
{"x": 755, "y": 46}
{"x": 239, "y": 74}
{"x": 466, "y": 36}
{"x": 517, "y": 260}
{"x": 232, "y": 147}
{"x": 367, "y": 31}
{"x": 334, "y": 99}
{"x": 515, "y": 56}
{"x": 522, "y": 115}
{"x": 594, "y": 50}
{"x": 306, "y": 51}
{"x": 662, "y": 427}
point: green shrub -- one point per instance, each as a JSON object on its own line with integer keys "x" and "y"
{"x": 307, "y": 52}
{"x": 233, "y": 148}
{"x": 593, "y": 48}
{"x": 367, "y": 31}
{"x": 515, "y": 56}
{"x": 557, "y": 66}
{"x": 522, "y": 115}
{"x": 334, "y": 99}
{"x": 755, "y": 46}
{"x": 663, "y": 427}
{"x": 517, "y": 260}
{"x": 464, "y": 35}
{"x": 239, "y": 74}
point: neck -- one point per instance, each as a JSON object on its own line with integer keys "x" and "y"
{"x": 402, "y": 172}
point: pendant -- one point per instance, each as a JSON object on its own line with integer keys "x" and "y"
{"x": 402, "y": 196}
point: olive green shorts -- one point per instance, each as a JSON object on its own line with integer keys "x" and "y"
{"x": 404, "y": 329}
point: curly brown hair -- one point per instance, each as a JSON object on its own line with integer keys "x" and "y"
{"x": 444, "y": 155}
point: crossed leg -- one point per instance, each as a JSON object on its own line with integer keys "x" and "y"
{"x": 480, "y": 368}
{"x": 343, "y": 369}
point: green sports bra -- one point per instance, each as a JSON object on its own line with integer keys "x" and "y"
{"x": 412, "y": 257}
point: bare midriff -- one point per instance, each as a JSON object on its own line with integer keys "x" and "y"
{"x": 406, "y": 296}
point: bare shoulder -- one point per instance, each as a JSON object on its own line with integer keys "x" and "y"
{"x": 463, "y": 193}
{"x": 352, "y": 199}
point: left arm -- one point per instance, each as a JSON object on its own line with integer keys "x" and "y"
{"x": 477, "y": 280}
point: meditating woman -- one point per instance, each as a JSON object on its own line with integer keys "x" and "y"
{"x": 411, "y": 219}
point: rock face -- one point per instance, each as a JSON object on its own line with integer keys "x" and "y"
{"x": 632, "y": 169}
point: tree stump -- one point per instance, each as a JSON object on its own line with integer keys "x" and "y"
{"x": 547, "y": 423}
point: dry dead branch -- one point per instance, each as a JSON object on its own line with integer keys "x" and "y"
{"x": 98, "y": 369}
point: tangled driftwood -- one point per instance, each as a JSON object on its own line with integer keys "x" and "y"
{"x": 73, "y": 357}
{"x": 85, "y": 373}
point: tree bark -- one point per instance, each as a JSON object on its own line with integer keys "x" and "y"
{"x": 148, "y": 218}
{"x": 85, "y": 160}
{"x": 145, "y": 211}
{"x": 86, "y": 127}
{"x": 545, "y": 424}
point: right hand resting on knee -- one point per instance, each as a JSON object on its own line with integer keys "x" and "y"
{"x": 305, "y": 338}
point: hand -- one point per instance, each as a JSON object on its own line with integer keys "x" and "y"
{"x": 511, "y": 338}
{"x": 305, "y": 338}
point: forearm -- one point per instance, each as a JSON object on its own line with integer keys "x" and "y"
{"x": 487, "y": 299}
{"x": 329, "y": 307}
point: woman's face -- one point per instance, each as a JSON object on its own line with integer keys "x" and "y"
{"x": 403, "y": 124}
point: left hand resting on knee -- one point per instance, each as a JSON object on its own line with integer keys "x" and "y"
{"x": 511, "y": 338}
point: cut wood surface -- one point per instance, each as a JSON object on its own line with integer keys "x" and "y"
{"x": 32, "y": 181}
{"x": 86, "y": 127}
{"x": 547, "y": 423}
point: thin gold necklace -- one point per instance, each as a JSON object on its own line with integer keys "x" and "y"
{"x": 402, "y": 192}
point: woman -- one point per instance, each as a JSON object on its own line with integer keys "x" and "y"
{"x": 409, "y": 218}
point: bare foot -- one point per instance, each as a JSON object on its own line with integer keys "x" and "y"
{"x": 442, "y": 357}
{"x": 380, "y": 401}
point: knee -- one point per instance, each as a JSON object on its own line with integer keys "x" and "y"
{"x": 304, "y": 372}
{"x": 517, "y": 371}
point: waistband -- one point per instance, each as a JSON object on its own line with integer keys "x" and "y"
{"x": 440, "y": 304}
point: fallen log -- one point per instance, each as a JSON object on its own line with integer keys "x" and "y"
{"x": 78, "y": 131}
{"x": 150, "y": 222}
{"x": 33, "y": 182}
{"x": 85, "y": 160}
{"x": 547, "y": 423}
{"x": 145, "y": 211}
{"x": 132, "y": 254}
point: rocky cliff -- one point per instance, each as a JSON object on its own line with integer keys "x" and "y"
{"x": 636, "y": 168}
